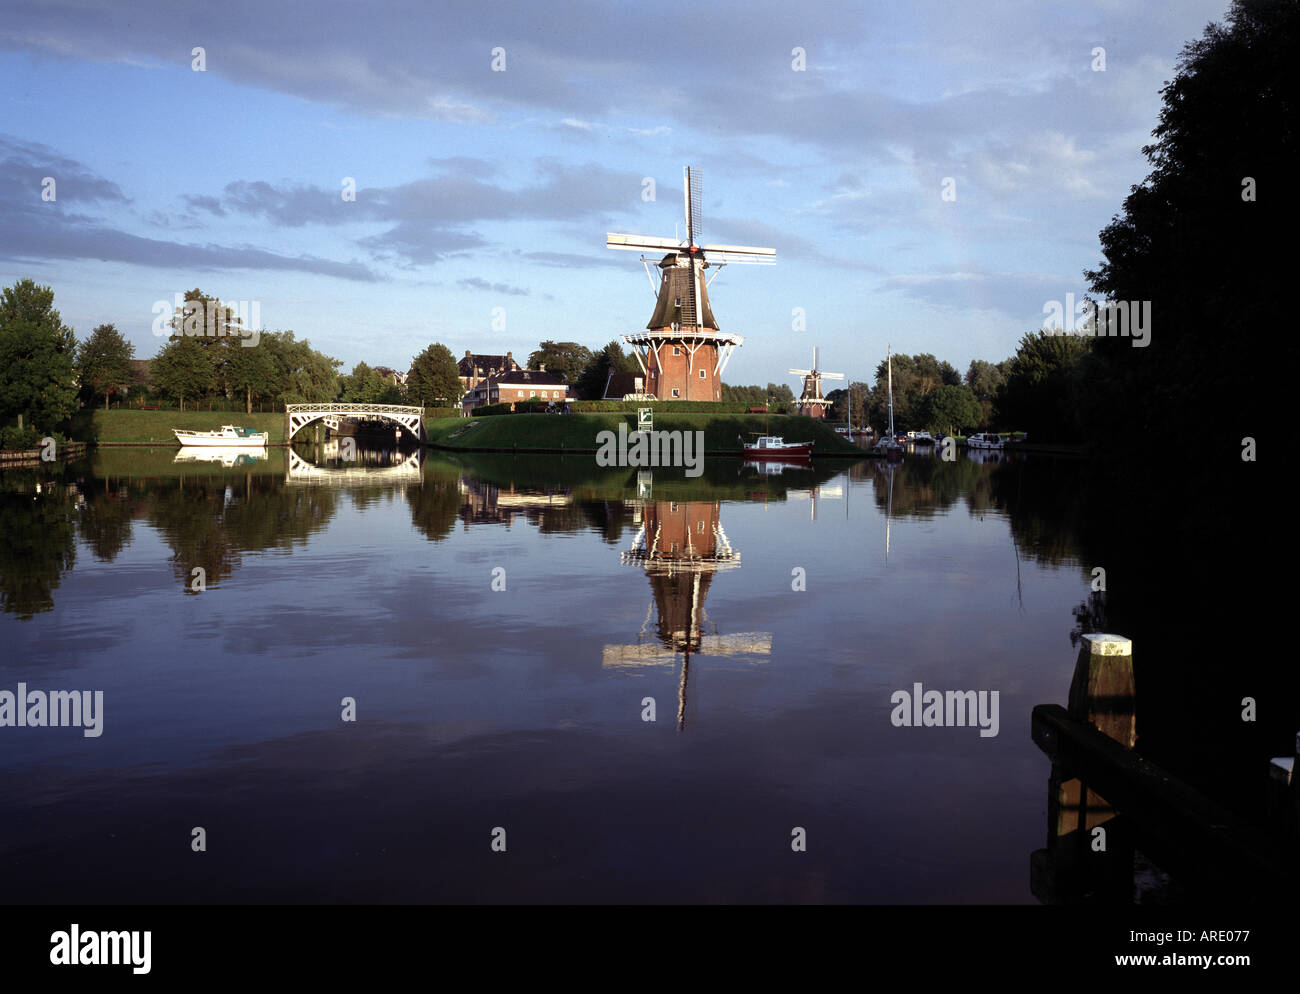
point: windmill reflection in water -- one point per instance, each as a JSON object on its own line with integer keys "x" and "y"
{"x": 681, "y": 546}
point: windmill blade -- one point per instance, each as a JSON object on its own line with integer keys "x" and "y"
{"x": 699, "y": 294}
{"x": 802, "y": 372}
{"x": 641, "y": 243}
{"x": 693, "y": 190}
{"x": 742, "y": 260}
{"x": 832, "y": 376}
{"x": 748, "y": 255}
{"x": 691, "y": 311}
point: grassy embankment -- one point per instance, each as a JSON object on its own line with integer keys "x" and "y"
{"x": 128, "y": 427}
{"x": 577, "y": 432}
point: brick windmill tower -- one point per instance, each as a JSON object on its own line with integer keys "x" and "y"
{"x": 682, "y": 352}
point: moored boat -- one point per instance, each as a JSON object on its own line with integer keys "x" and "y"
{"x": 890, "y": 445}
{"x": 985, "y": 440}
{"x": 228, "y": 436}
{"x": 776, "y": 447}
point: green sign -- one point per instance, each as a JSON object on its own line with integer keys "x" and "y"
{"x": 645, "y": 419}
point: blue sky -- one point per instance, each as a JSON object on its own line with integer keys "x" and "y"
{"x": 479, "y": 189}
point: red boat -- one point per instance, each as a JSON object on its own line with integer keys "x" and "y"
{"x": 776, "y": 447}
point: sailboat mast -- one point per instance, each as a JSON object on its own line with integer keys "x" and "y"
{"x": 889, "y": 361}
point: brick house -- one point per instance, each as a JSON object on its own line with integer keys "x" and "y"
{"x": 516, "y": 385}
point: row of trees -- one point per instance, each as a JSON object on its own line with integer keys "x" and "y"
{"x": 778, "y": 395}
{"x": 928, "y": 393}
{"x": 45, "y": 375}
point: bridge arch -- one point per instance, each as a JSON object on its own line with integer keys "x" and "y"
{"x": 299, "y": 416}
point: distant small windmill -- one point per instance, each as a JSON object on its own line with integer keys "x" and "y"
{"x": 811, "y": 403}
{"x": 683, "y": 353}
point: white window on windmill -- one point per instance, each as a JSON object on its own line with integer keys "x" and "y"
{"x": 701, "y": 374}
{"x": 676, "y": 392}
{"x": 677, "y": 350}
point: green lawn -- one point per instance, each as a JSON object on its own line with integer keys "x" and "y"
{"x": 124, "y": 427}
{"x": 577, "y": 432}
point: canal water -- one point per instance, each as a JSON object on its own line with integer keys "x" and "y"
{"x": 418, "y": 678}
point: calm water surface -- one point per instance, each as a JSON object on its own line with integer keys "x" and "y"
{"x": 522, "y": 708}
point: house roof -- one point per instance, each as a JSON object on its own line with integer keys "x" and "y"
{"x": 617, "y": 384}
{"x": 529, "y": 377}
{"x": 487, "y": 363}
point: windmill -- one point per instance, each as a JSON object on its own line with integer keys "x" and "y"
{"x": 682, "y": 352}
{"x": 811, "y": 403}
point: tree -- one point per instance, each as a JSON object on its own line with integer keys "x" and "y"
{"x": 951, "y": 409}
{"x": 781, "y": 397}
{"x": 183, "y": 368}
{"x": 984, "y": 379}
{"x": 369, "y": 386}
{"x": 1199, "y": 238}
{"x": 104, "y": 362}
{"x": 214, "y": 326}
{"x": 253, "y": 370}
{"x": 434, "y": 377}
{"x": 1044, "y": 388}
{"x": 37, "y": 358}
{"x": 612, "y": 358}
{"x": 859, "y": 393}
{"x": 567, "y": 359}
{"x": 305, "y": 376}
{"x": 750, "y": 396}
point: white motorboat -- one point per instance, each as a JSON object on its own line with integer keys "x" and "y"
{"x": 228, "y": 436}
{"x": 985, "y": 440}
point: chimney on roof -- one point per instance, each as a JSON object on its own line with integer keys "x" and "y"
{"x": 467, "y": 353}
{"x": 541, "y": 367}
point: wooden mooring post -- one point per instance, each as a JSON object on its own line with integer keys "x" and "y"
{"x": 1089, "y": 854}
{"x": 1098, "y": 781}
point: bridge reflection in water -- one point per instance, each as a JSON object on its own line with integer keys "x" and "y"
{"x": 681, "y": 546}
{"x": 368, "y": 466}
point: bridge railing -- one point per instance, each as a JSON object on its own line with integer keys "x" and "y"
{"x": 353, "y": 409}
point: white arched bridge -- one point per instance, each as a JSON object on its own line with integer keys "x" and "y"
{"x": 301, "y": 415}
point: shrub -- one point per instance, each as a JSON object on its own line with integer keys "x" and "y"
{"x": 13, "y": 438}
{"x": 490, "y": 410}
